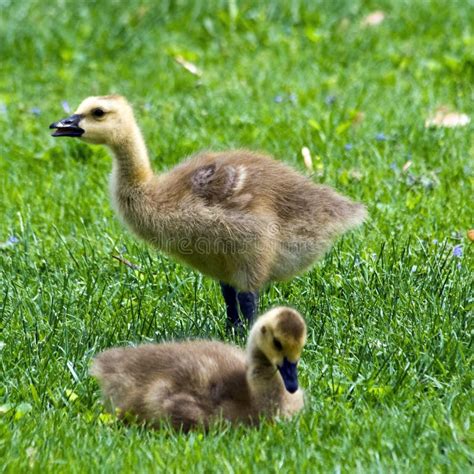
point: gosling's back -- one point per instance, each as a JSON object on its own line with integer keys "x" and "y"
{"x": 244, "y": 218}
{"x": 189, "y": 383}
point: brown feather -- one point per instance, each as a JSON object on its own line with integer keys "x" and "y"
{"x": 238, "y": 216}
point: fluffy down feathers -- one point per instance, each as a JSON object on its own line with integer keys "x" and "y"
{"x": 238, "y": 216}
{"x": 195, "y": 382}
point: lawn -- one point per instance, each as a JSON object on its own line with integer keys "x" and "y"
{"x": 388, "y": 364}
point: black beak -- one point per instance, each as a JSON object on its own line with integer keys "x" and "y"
{"x": 68, "y": 127}
{"x": 289, "y": 373}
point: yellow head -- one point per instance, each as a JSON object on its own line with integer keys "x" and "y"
{"x": 101, "y": 120}
{"x": 280, "y": 334}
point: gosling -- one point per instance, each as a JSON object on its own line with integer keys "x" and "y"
{"x": 240, "y": 217}
{"x": 194, "y": 383}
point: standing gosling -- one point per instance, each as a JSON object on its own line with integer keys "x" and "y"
{"x": 237, "y": 216}
{"x": 195, "y": 382}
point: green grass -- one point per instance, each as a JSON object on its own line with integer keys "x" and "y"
{"x": 388, "y": 365}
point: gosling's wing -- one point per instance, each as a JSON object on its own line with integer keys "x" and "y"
{"x": 216, "y": 182}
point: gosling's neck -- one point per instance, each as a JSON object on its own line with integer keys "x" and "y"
{"x": 131, "y": 165}
{"x": 263, "y": 377}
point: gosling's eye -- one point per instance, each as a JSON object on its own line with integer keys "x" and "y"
{"x": 277, "y": 344}
{"x": 98, "y": 113}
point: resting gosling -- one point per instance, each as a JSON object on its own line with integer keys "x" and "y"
{"x": 237, "y": 216}
{"x": 195, "y": 382}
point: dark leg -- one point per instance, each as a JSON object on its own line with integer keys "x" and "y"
{"x": 230, "y": 297}
{"x": 248, "y": 305}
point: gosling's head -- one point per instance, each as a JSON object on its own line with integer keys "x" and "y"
{"x": 281, "y": 335}
{"x": 101, "y": 120}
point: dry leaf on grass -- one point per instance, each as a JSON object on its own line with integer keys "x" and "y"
{"x": 189, "y": 66}
{"x": 470, "y": 235}
{"x": 357, "y": 117}
{"x": 443, "y": 117}
{"x": 31, "y": 455}
{"x": 126, "y": 262}
{"x": 356, "y": 174}
{"x": 308, "y": 161}
{"x": 374, "y": 18}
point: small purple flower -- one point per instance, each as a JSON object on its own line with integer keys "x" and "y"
{"x": 330, "y": 99}
{"x": 293, "y": 98}
{"x": 278, "y": 99}
{"x": 434, "y": 241}
{"x": 427, "y": 183}
{"x": 457, "y": 251}
{"x": 380, "y": 137}
{"x": 35, "y": 111}
{"x": 348, "y": 146}
{"x": 66, "y": 106}
{"x": 10, "y": 242}
{"x": 410, "y": 180}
